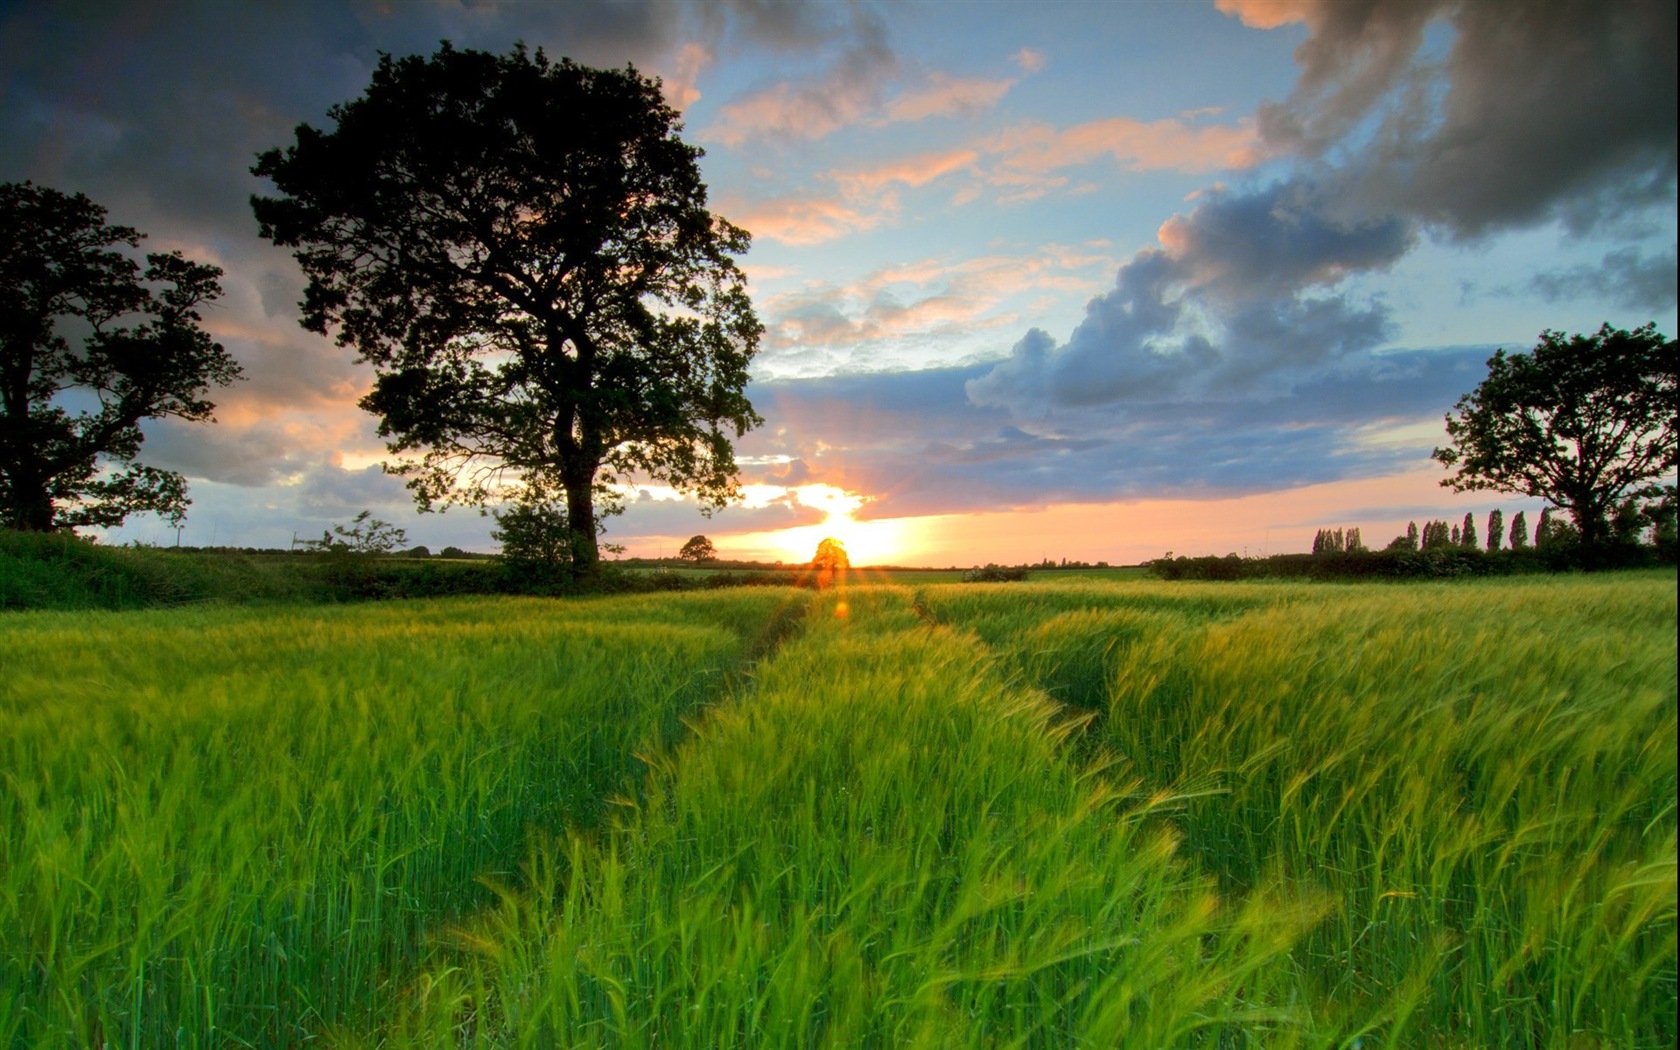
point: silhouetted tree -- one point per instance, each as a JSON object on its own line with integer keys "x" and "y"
{"x": 1495, "y": 529}
{"x": 1519, "y": 531}
{"x": 1354, "y": 543}
{"x": 365, "y": 534}
{"x": 698, "y": 549}
{"x": 1467, "y": 532}
{"x": 1581, "y": 421}
{"x": 522, "y": 250}
{"x": 91, "y": 344}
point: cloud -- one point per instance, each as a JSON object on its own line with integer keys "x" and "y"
{"x": 806, "y": 219}
{"x": 1029, "y": 60}
{"x": 917, "y": 443}
{"x": 1029, "y": 153}
{"x": 947, "y": 96}
{"x": 1625, "y": 276}
{"x": 1549, "y": 110}
{"x": 845, "y": 93}
{"x": 921, "y": 306}
{"x": 1234, "y": 302}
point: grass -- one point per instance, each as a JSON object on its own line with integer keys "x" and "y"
{"x": 236, "y": 827}
{"x": 1075, "y": 812}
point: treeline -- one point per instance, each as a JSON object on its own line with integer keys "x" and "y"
{"x": 1640, "y": 536}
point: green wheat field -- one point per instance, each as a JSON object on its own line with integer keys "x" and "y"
{"x": 1054, "y": 814}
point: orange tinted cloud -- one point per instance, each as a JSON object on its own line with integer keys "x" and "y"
{"x": 1029, "y": 153}
{"x": 807, "y": 220}
{"x": 911, "y": 171}
{"x": 948, "y": 96}
{"x": 1267, "y": 14}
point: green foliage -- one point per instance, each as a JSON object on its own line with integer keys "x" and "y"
{"x": 1496, "y": 529}
{"x": 140, "y": 355}
{"x": 993, "y": 573}
{"x": 536, "y": 539}
{"x": 563, "y": 307}
{"x": 1519, "y": 531}
{"x": 1580, "y": 421}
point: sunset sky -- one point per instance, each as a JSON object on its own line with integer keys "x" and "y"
{"x": 1070, "y": 280}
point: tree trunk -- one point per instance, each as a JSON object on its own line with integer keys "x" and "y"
{"x": 580, "y": 520}
{"x": 32, "y": 508}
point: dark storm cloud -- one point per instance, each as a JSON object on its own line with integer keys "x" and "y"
{"x": 1625, "y": 277}
{"x": 1546, "y": 109}
{"x": 158, "y": 110}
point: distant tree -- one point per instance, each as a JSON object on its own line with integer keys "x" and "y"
{"x": 1580, "y": 421}
{"x": 1519, "y": 531}
{"x": 1437, "y": 534}
{"x": 1467, "y": 532}
{"x": 698, "y": 549}
{"x": 1354, "y": 543}
{"x": 1495, "y": 529}
{"x": 1553, "y": 531}
{"x": 1454, "y": 539}
{"x": 421, "y": 551}
{"x": 829, "y": 561}
{"x": 365, "y": 534}
{"x": 452, "y": 552}
{"x": 1408, "y": 542}
{"x": 831, "y": 555}
{"x": 91, "y": 344}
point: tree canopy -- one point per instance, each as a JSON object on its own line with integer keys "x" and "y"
{"x": 698, "y": 548}
{"x": 91, "y": 344}
{"x": 1580, "y": 421}
{"x": 522, "y": 249}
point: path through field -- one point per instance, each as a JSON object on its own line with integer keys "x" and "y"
{"x": 1041, "y": 815}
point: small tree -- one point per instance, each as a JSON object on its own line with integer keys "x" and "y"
{"x": 536, "y": 538}
{"x": 91, "y": 344}
{"x": 365, "y": 534}
{"x": 1519, "y": 531}
{"x": 1581, "y": 421}
{"x": 1495, "y": 529}
{"x": 1354, "y": 543}
{"x": 1467, "y": 532}
{"x": 830, "y": 560}
{"x": 698, "y": 549}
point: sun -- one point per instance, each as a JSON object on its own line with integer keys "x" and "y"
{"x": 881, "y": 542}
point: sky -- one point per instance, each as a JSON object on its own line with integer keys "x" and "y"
{"x": 1085, "y": 280}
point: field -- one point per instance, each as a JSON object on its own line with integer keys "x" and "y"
{"x": 1070, "y": 812}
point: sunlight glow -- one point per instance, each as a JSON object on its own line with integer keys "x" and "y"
{"x": 884, "y": 542}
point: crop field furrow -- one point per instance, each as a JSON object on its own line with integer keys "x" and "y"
{"x": 882, "y": 844}
{"x": 1481, "y": 778}
{"x": 240, "y": 827}
{"x": 1045, "y": 814}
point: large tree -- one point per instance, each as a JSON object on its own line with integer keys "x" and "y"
{"x": 1580, "y": 421}
{"x": 91, "y": 344}
{"x": 522, "y": 249}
